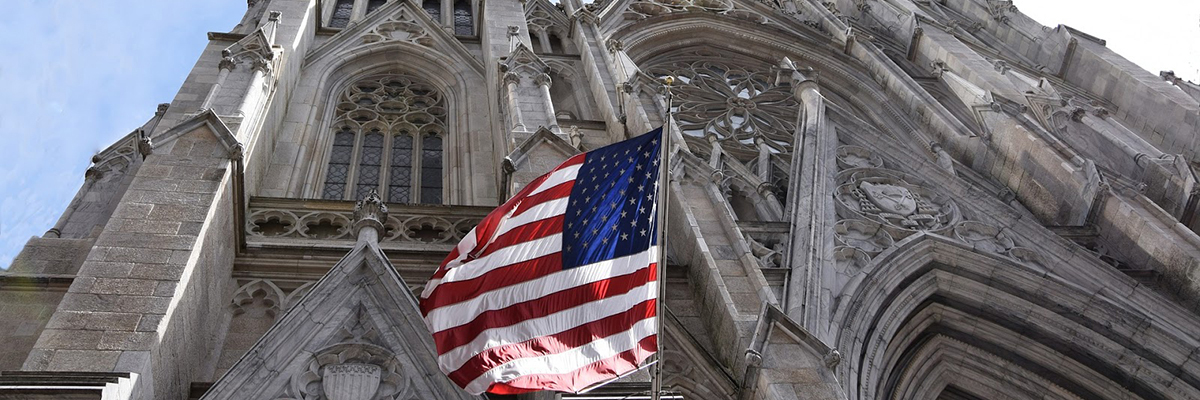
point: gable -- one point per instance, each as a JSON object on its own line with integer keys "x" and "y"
{"x": 357, "y": 332}
{"x": 396, "y": 22}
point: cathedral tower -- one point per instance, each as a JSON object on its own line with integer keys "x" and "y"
{"x": 911, "y": 199}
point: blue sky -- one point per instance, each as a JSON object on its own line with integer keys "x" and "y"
{"x": 75, "y": 77}
{"x": 78, "y": 75}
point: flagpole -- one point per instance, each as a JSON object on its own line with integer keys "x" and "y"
{"x": 664, "y": 188}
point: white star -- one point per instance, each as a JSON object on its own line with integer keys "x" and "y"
{"x": 643, "y": 232}
{"x": 624, "y": 236}
{"x": 623, "y": 214}
{"x": 604, "y": 240}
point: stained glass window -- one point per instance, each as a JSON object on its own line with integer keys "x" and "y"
{"x": 369, "y": 159}
{"x": 399, "y": 122}
{"x": 339, "y": 164}
{"x": 434, "y": 8}
{"x": 464, "y": 24}
{"x": 431, "y": 169}
{"x": 400, "y": 185}
{"x": 341, "y": 13}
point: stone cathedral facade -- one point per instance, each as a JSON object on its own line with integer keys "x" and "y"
{"x": 870, "y": 199}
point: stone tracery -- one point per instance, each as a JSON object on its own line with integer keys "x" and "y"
{"x": 389, "y": 134}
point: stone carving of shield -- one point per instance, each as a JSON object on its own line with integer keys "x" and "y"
{"x": 890, "y": 198}
{"x": 350, "y": 381}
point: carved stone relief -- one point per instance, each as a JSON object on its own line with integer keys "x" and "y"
{"x": 889, "y": 198}
{"x": 643, "y": 9}
{"x": 336, "y": 226}
{"x": 865, "y": 235}
{"x": 983, "y": 237}
{"x": 356, "y": 367}
{"x": 857, "y": 157}
{"x": 401, "y": 26}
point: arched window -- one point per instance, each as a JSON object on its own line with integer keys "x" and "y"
{"x": 388, "y": 136}
{"x": 556, "y": 43}
{"x": 464, "y": 22}
{"x": 434, "y": 8}
{"x": 341, "y": 13}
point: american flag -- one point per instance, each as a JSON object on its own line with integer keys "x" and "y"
{"x": 556, "y": 288}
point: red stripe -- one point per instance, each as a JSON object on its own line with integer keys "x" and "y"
{"x": 523, "y": 234}
{"x": 487, "y": 227}
{"x": 557, "y": 192}
{"x": 457, "y": 291}
{"x": 581, "y": 378}
{"x": 449, "y": 339}
{"x": 552, "y": 344}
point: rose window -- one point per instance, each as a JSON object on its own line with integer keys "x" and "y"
{"x": 738, "y": 107}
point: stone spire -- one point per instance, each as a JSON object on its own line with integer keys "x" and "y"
{"x": 369, "y": 216}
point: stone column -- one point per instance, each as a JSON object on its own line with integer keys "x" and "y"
{"x": 511, "y": 80}
{"x": 227, "y": 64}
{"x": 89, "y": 178}
{"x": 259, "y": 69}
{"x": 764, "y": 159}
{"x": 543, "y": 81}
{"x": 809, "y": 208}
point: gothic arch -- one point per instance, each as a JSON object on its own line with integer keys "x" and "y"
{"x": 451, "y": 76}
{"x": 929, "y": 286}
{"x": 847, "y": 82}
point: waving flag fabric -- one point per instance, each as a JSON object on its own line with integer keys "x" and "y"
{"x": 556, "y": 288}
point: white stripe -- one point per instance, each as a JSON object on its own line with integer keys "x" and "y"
{"x": 557, "y": 178}
{"x": 549, "y": 209}
{"x": 463, "y": 247}
{"x": 548, "y": 325}
{"x": 566, "y": 361}
{"x": 506, "y": 256}
{"x": 456, "y": 314}
{"x": 541, "y": 211}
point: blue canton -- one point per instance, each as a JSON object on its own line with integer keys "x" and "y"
{"x": 611, "y": 210}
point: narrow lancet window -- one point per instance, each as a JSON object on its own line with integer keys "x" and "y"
{"x": 431, "y": 170}
{"x": 369, "y": 161}
{"x": 341, "y": 13}
{"x": 464, "y": 24}
{"x": 434, "y": 8}
{"x": 400, "y": 181}
{"x": 339, "y": 164}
